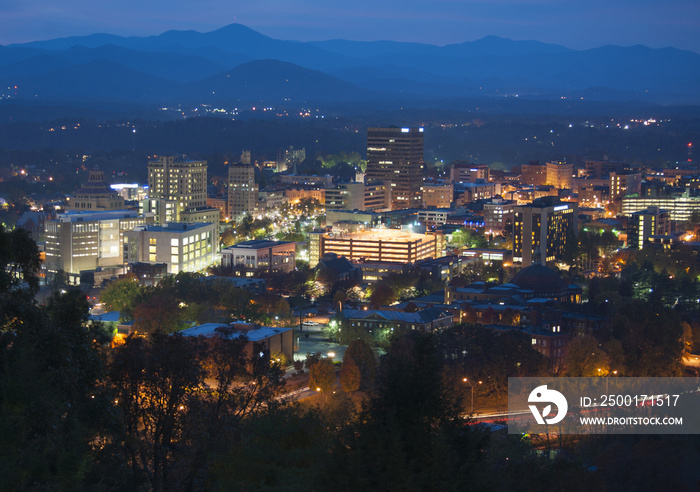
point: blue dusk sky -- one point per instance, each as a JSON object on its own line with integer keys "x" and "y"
{"x": 572, "y": 23}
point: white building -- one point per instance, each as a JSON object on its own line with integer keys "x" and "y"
{"x": 182, "y": 247}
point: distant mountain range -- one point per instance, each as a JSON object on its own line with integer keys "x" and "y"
{"x": 235, "y": 65}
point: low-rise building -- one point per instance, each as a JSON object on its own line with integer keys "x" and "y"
{"x": 182, "y": 247}
{"x": 259, "y": 255}
{"x": 87, "y": 241}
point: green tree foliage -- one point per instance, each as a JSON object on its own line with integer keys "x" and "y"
{"x": 19, "y": 267}
{"x": 322, "y": 376}
{"x": 279, "y": 450}
{"x": 382, "y": 295}
{"x": 53, "y": 405}
{"x": 122, "y": 295}
{"x": 406, "y": 437}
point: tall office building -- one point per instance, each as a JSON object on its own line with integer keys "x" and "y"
{"x": 645, "y": 223}
{"x": 560, "y": 174}
{"x": 178, "y": 191}
{"x": 541, "y": 230}
{"x": 396, "y": 155}
{"x": 242, "y": 190}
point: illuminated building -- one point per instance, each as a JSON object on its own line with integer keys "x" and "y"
{"x": 95, "y": 195}
{"x": 242, "y": 191}
{"x": 378, "y": 196}
{"x": 625, "y": 183}
{"x": 396, "y": 155}
{"x": 346, "y": 196}
{"x": 533, "y": 174}
{"x": 86, "y": 241}
{"x": 392, "y": 245}
{"x": 560, "y": 174}
{"x": 437, "y": 196}
{"x": 646, "y": 223}
{"x": 182, "y": 247}
{"x": 178, "y": 191}
{"x": 469, "y": 173}
{"x": 295, "y": 195}
{"x": 541, "y": 230}
{"x": 680, "y": 208}
{"x": 259, "y": 255}
{"x": 497, "y": 214}
{"x": 470, "y": 192}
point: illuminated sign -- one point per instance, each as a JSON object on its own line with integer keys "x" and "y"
{"x": 561, "y": 207}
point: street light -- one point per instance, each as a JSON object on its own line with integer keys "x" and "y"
{"x": 607, "y": 385}
{"x": 466, "y": 380}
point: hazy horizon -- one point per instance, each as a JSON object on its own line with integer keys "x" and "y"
{"x": 597, "y": 23}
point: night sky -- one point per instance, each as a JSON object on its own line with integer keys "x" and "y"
{"x": 573, "y": 23}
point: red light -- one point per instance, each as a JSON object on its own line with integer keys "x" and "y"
{"x": 690, "y": 144}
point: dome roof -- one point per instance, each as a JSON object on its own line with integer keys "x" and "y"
{"x": 539, "y": 278}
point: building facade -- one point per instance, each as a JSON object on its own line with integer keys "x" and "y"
{"x": 242, "y": 191}
{"x": 645, "y": 223}
{"x": 376, "y": 245}
{"x": 438, "y": 195}
{"x": 396, "y": 155}
{"x": 541, "y": 230}
{"x": 560, "y": 174}
{"x": 95, "y": 195}
{"x": 181, "y": 246}
{"x": 345, "y": 196}
{"x": 259, "y": 255}
{"x": 176, "y": 185}
{"x": 498, "y": 213}
{"x": 85, "y": 241}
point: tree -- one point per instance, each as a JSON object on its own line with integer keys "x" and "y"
{"x": 322, "y": 377}
{"x": 585, "y": 358}
{"x": 122, "y": 295}
{"x": 381, "y": 295}
{"x": 350, "y": 376}
{"x": 360, "y": 354}
{"x": 159, "y": 314}
{"x": 54, "y": 406}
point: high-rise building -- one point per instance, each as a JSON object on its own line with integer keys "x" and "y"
{"x": 533, "y": 173}
{"x": 396, "y": 155}
{"x": 288, "y": 158}
{"x": 438, "y": 195}
{"x": 178, "y": 187}
{"x": 625, "y": 183}
{"x": 646, "y": 223}
{"x": 378, "y": 196}
{"x": 469, "y": 173}
{"x": 346, "y": 196}
{"x": 560, "y": 174}
{"x": 541, "y": 230}
{"x": 242, "y": 190}
{"x": 497, "y": 213}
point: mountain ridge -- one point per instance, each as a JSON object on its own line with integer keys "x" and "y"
{"x": 492, "y": 65}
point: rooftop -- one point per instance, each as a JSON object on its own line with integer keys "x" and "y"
{"x": 259, "y": 244}
{"x": 234, "y": 330}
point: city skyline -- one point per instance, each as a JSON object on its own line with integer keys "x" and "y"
{"x": 571, "y": 24}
